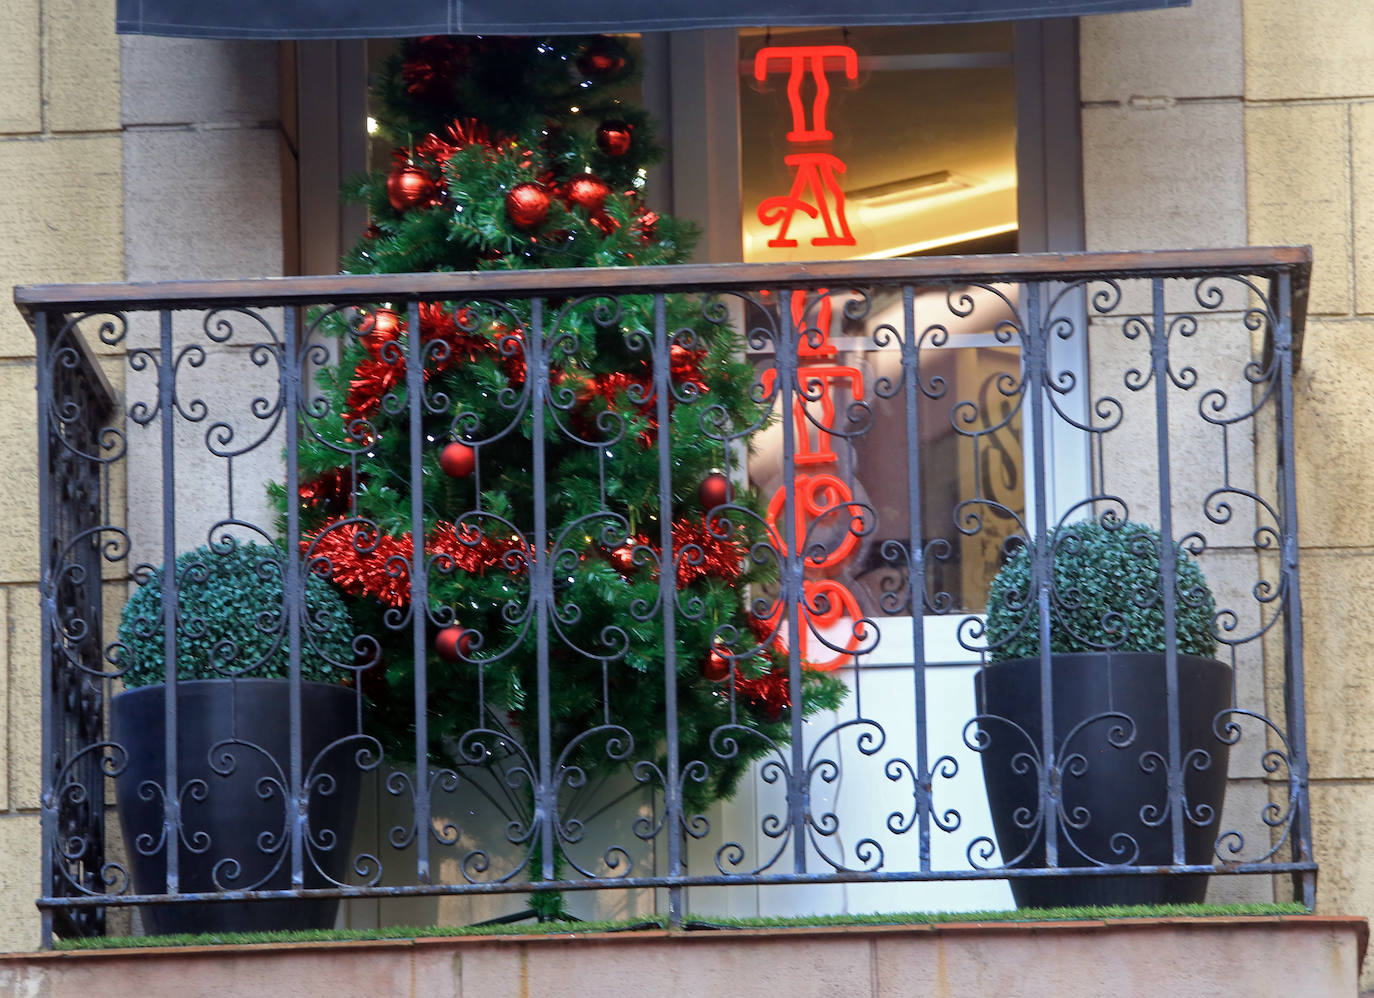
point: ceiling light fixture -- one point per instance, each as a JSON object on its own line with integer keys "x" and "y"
{"x": 924, "y": 185}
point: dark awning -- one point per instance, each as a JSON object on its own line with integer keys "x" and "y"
{"x": 400, "y": 18}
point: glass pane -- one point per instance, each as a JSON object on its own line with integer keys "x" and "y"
{"x": 888, "y": 141}
{"x": 880, "y": 143}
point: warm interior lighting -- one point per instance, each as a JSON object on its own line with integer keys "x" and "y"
{"x": 949, "y": 240}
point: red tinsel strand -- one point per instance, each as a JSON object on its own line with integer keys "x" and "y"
{"x": 471, "y": 551}
{"x": 720, "y": 557}
{"x": 460, "y": 133}
{"x": 433, "y": 149}
{"x": 768, "y": 694}
{"x": 330, "y": 491}
{"x": 763, "y": 630}
{"x": 436, "y": 322}
{"x": 685, "y": 368}
{"x": 371, "y": 381}
{"x": 373, "y": 378}
{"x": 368, "y": 572}
{"x": 645, "y": 226}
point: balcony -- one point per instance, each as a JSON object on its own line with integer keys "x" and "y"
{"x": 673, "y": 638}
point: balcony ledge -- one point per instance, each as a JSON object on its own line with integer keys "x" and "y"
{"x": 1313, "y": 955}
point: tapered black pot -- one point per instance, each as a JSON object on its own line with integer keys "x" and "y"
{"x": 1100, "y": 700}
{"x": 235, "y": 833}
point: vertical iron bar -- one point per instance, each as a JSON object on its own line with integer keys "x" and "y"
{"x": 1294, "y": 707}
{"x": 294, "y": 587}
{"x": 667, "y": 594}
{"x": 916, "y": 565}
{"x": 1042, "y": 571}
{"x": 419, "y": 587}
{"x": 793, "y": 587}
{"x": 1168, "y": 562}
{"x": 541, "y": 583}
{"x": 51, "y": 706}
{"x": 171, "y": 800}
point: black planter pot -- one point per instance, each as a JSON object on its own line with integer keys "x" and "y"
{"x": 1114, "y": 789}
{"x": 232, "y": 838}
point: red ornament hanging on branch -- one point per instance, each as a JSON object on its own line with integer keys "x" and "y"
{"x": 587, "y": 192}
{"x": 599, "y": 61}
{"x": 715, "y": 490}
{"x": 379, "y": 328}
{"x": 623, "y": 559}
{"x": 453, "y": 643}
{"x": 410, "y": 187}
{"x": 717, "y": 665}
{"x": 527, "y": 205}
{"x": 457, "y": 460}
{"x": 614, "y": 139}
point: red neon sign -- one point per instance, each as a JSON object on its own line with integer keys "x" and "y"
{"x": 798, "y": 57}
{"x": 815, "y": 192}
{"x": 819, "y": 496}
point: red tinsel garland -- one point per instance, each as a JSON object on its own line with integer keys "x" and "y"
{"x": 371, "y": 382}
{"x": 720, "y": 557}
{"x": 363, "y": 562}
{"x": 330, "y": 491}
{"x": 768, "y": 694}
{"x": 374, "y": 376}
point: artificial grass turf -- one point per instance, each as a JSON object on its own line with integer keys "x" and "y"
{"x": 690, "y": 923}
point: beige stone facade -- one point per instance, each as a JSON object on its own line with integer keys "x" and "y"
{"x": 61, "y": 219}
{"x": 1226, "y": 123}
{"x": 1257, "y": 120}
{"x": 1312, "y": 957}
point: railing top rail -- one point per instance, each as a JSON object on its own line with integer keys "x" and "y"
{"x": 347, "y": 288}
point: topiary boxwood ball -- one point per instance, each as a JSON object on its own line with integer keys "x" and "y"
{"x": 1106, "y": 596}
{"x": 232, "y": 621}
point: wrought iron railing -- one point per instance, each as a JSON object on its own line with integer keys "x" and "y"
{"x": 915, "y": 425}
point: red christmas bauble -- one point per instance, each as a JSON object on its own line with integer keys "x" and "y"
{"x": 409, "y": 186}
{"x": 452, "y": 643}
{"x": 587, "y": 192}
{"x": 623, "y": 559}
{"x": 378, "y": 328}
{"x": 527, "y": 205}
{"x": 715, "y": 490}
{"x": 613, "y": 138}
{"x": 457, "y": 460}
{"x": 599, "y": 61}
{"x": 717, "y": 666}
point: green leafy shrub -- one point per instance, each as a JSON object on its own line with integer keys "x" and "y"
{"x": 1107, "y": 596}
{"x": 231, "y": 621}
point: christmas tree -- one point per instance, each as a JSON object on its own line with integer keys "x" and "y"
{"x": 521, "y": 153}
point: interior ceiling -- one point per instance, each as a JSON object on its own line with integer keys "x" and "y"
{"x": 892, "y": 125}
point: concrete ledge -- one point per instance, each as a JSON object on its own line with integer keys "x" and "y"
{"x": 1312, "y": 956}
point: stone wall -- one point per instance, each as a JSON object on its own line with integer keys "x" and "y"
{"x": 1230, "y": 123}
{"x": 62, "y": 220}
{"x": 1144, "y": 958}
{"x": 141, "y": 159}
